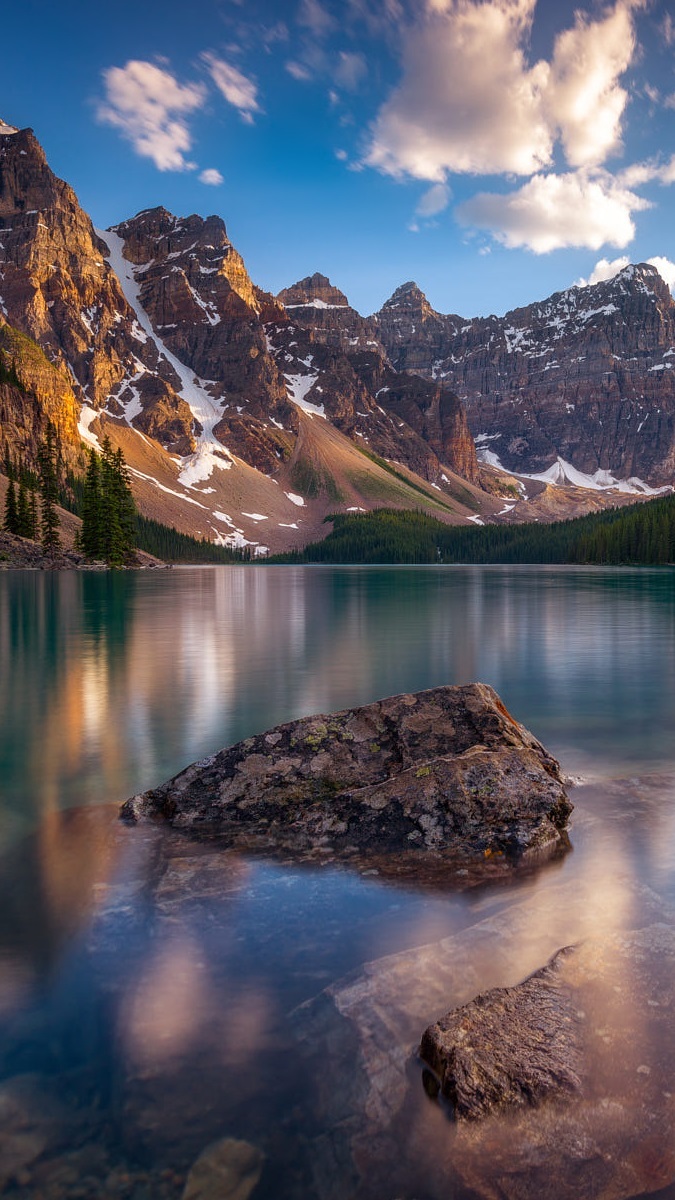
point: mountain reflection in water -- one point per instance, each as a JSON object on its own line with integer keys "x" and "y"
{"x": 157, "y": 994}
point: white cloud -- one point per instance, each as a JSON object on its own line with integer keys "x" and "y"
{"x": 551, "y": 212}
{"x": 211, "y": 177}
{"x": 341, "y": 155}
{"x": 350, "y": 70}
{"x": 665, "y": 268}
{"x": 607, "y": 270}
{"x": 653, "y": 171}
{"x": 603, "y": 270}
{"x": 315, "y": 18}
{"x": 667, "y": 30}
{"x": 148, "y": 105}
{"x": 298, "y": 71}
{"x": 237, "y": 89}
{"x": 469, "y": 100}
{"x": 434, "y": 200}
{"x": 583, "y": 97}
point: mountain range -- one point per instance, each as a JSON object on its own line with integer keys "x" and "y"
{"x": 248, "y": 418}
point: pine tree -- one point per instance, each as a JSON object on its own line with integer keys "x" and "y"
{"x": 34, "y": 516}
{"x": 91, "y": 539}
{"x": 11, "y": 524}
{"x": 23, "y": 511}
{"x": 50, "y": 536}
{"x": 108, "y": 510}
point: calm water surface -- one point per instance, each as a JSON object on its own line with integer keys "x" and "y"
{"x": 156, "y": 995}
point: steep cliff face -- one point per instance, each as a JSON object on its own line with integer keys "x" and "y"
{"x": 314, "y": 303}
{"x": 339, "y": 363}
{"x": 428, "y": 408}
{"x": 586, "y": 377}
{"x": 57, "y": 287}
{"x": 412, "y": 332}
{"x": 195, "y": 289}
{"x": 33, "y": 394}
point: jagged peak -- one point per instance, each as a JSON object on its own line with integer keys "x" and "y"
{"x": 314, "y": 291}
{"x": 409, "y": 296}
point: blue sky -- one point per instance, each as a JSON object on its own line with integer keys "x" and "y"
{"x": 493, "y": 150}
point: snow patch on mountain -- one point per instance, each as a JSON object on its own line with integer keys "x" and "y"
{"x": 210, "y": 452}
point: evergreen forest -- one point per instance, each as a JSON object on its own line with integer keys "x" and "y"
{"x": 640, "y": 534}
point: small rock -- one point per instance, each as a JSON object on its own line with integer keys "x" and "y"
{"x": 225, "y": 1170}
{"x": 508, "y": 1047}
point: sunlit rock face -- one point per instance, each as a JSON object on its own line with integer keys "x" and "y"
{"x": 198, "y": 295}
{"x": 57, "y": 287}
{"x": 417, "y": 422}
{"x": 587, "y": 375}
{"x": 445, "y": 769}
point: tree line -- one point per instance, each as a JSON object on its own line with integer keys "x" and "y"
{"x": 640, "y": 534}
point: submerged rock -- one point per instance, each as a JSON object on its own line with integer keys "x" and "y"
{"x": 509, "y": 1046}
{"x": 226, "y": 1170}
{"x": 444, "y": 769}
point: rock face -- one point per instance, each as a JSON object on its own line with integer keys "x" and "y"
{"x": 44, "y": 394}
{"x": 417, "y": 422}
{"x": 155, "y": 327}
{"x": 586, "y": 376}
{"x": 445, "y": 769}
{"x": 508, "y": 1047}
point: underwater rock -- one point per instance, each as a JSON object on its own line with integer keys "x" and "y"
{"x": 226, "y": 1170}
{"x": 508, "y": 1047}
{"x": 448, "y": 769}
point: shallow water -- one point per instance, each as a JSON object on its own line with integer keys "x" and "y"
{"x": 155, "y": 994}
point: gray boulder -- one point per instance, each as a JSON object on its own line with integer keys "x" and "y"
{"x": 444, "y": 769}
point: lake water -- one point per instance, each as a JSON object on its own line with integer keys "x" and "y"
{"x": 157, "y": 995}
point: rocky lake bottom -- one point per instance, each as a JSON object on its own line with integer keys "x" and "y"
{"x": 162, "y": 996}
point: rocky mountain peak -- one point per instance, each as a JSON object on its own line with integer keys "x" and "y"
{"x": 408, "y": 296}
{"x": 6, "y": 130}
{"x": 194, "y": 248}
{"x": 315, "y": 291}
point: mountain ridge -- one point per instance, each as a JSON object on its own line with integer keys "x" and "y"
{"x": 245, "y": 418}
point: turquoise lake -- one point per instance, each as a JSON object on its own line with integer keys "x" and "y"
{"x": 156, "y": 994}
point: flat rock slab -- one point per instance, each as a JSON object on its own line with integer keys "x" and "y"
{"x": 612, "y": 1139}
{"x": 509, "y": 1046}
{"x": 444, "y": 769}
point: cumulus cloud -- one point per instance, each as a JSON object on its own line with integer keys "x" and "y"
{"x": 583, "y": 97}
{"x": 552, "y": 212}
{"x": 211, "y": 177}
{"x": 604, "y": 269}
{"x": 467, "y": 102}
{"x": 649, "y": 172}
{"x": 434, "y": 200}
{"x": 470, "y": 101}
{"x": 149, "y": 107}
{"x": 236, "y": 88}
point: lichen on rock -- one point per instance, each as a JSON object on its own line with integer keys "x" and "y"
{"x": 443, "y": 770}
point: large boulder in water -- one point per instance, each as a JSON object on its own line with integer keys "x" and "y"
{"x": 448, "y": 769}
